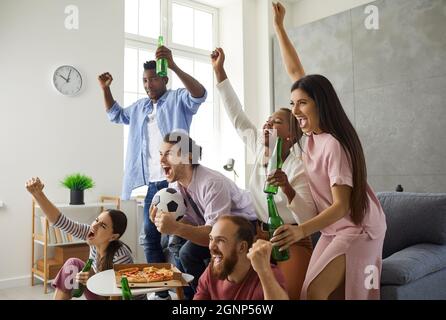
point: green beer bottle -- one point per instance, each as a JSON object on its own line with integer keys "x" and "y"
{"x": 274, "y": 222}
{"x": 126, "y": 292}
{"x": 161, "y": 64}
{"x": 275, "y": 162}
{"x": 80, "y": 290}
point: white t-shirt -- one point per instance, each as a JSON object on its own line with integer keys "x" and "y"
{"x": 155, "y": 170}
{"x": 294, "y": 169}
{"x": 302, "y": 207}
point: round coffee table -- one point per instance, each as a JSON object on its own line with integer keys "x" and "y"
{"x": 104, "y": 284}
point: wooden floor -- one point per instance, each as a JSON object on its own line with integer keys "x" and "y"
{"x": 36, "y": 293}
{"x": 26, "y": 293}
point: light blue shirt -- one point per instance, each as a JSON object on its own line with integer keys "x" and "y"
{"x": 174, "y": 111}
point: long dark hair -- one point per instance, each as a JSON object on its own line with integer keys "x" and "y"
{"x": 119, "y": 224}
{"x": 333, "y": 120}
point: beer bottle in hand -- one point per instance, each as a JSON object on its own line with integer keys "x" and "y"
{"x": 274, "y": 222}
{"x": 161, "y": 64}
{"x": 275, "y": 162}
{"x": 80, "y": 290}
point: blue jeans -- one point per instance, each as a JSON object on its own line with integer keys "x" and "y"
{"x": 194, "y": 259}
{"x": 189, "y": 258}
{"x": 151, "y": 239}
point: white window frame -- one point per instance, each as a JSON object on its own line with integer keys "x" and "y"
{"x": 135, "y": 41}
{"x": 198, "y": 6}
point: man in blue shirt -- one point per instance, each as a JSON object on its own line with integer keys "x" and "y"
{"x": 149, "y": 120}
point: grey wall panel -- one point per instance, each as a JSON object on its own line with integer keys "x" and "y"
{"x": 410, "y": 42}
{"x": 324, "y": 48}
{"x": 414, "y": 183}
{"x": 348, "y": 103}
{"x": 402, "y": 127}
{"x": 391, "y": 82}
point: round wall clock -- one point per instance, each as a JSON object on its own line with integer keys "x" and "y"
{"x": 67, "y": 80}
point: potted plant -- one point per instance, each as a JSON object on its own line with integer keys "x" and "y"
{"x": 77, "y": 183}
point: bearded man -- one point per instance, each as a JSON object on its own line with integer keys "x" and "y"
{"x": 239, "y": 269}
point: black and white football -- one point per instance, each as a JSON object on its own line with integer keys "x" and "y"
{"x": 170, "y": 200}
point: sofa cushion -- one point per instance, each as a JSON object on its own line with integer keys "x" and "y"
{"x": 413, "y": 218}
{"x": 413, "y": 263}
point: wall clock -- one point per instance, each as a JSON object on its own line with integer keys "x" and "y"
{"x": 67, "y": 80}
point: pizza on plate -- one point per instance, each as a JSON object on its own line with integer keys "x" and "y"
{"x": 147, "y": 274}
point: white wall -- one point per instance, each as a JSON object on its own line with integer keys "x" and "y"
{"x": 231, "y": 38}
{"x": 306, "y": 11}
{"x": 44, "y": 133}
{"x": 245, "y": 29}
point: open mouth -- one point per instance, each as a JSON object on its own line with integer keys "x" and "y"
{"x": 217, "y": 258}
{"x": 91, "y": 235}
{"x": 167, "y": 171}
{"x": 303, "y": 121}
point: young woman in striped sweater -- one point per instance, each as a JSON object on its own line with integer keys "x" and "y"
{"x": 102, "y": 236}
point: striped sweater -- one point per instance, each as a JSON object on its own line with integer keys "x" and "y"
{"x": 80, "y": 231}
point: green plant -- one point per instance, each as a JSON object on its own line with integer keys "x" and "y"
{"x": 77, "y": 181}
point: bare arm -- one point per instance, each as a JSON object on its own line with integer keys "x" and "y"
{"x": 196, "y": 234}
{"x": 338, "y": 210}
{"x": 35, "y": 187}
{"x": 190, "y": 83}
{"x": 286, "y": 235}
{"x": 165, "y": 223}
{"x": 105, "y": 81}
{"x": 271, "y": 288}
{"x": 260, "y": 255}
{"x": 289, "y": 54}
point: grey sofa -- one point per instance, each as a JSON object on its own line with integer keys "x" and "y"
{"x": 414, "y": 251}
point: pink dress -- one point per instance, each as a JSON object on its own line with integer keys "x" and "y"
{"x": 327, "y": 164}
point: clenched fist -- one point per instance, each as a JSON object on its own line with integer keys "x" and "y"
{"x": 105, "y": 80}
{"x": 34, "y": 186}
{"x": 218, "y": 59}
{"x": 279, "y": 14}
{"x": 165, "y": 223}
{"x": 260, "y": 254}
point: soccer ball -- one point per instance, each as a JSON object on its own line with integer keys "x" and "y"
{"x": 170, "y": 200}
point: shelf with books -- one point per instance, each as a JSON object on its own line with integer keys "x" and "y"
{"x": 48, "y": 236}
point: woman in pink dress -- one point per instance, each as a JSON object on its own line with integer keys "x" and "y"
{"x": 347, "y": 259}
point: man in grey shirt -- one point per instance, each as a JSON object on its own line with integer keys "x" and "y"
{"x": 208, "y": 195}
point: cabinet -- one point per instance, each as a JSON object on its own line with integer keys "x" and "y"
{"x": 48, "y": 237}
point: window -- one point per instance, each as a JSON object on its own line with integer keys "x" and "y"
{"x": 189, "y": 30}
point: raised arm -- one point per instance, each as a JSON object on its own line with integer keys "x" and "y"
{"x": 105, "y": 81}
{"x": 260, "y": 255}
{"x": 245, "y": 128}
{"x": 35, "y": 187}
{"x": 290, "y": 58}
{"x": 194, "y": 87}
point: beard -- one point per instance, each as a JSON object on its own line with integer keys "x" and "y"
{"x": 222, "y": 270}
